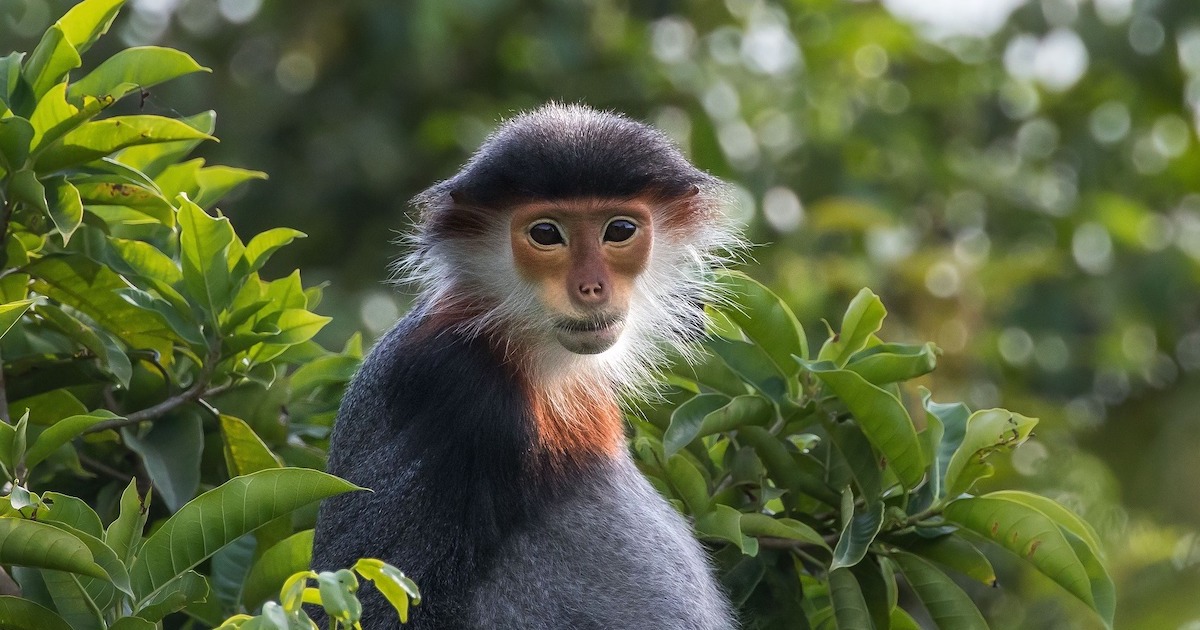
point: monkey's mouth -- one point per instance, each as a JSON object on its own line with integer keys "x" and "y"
{"x": 589, "y": 336}
{"x": 588, "y": 325}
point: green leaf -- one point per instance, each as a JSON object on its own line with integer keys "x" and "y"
{"x": 147, "y": 261}
{"x": 725, "y": 523}
{"x": 50, "y": 60}
{"x": 87, "y": 21}
{"x": 93, "y": 289}
{"x": 186, "y": 588}
{"x": 859, "y": 457}
{"x": 707, "y": 414}
{"x": 688, "y": 484}
{"x": 72, "y": 511}
{"x": 203, "y": 243}
{"x": 186, "y": 329}
{"x": 949, "y": 606}
{"x": 753, "y": 365}
{"x": 953, "y": 552}
{"x": 331, "y": 370}
{"x": 849, "y": 607}
{"x": 767, "y": 321}
{"x": 882, "y": 418}
{"x": 1103, "y": 590}
{"x": 24, "y": 187}
{"x": 16, "y": 136}
{"x": 901, "y": 620}
{"x": 893, "y": 362}
{"x": 245, "y": 452}
{"x": 281, "y": 560}
{"x": 65, "y": 206}
{"x": 132, "y": 623}
{"x": 111, "y": 356}
{"x": 758, "y": 524}
{"x": 214, "y": 182}
{"x": 54, "y": 116}
{"x": 11, "y": 313}
{"x": 877, "y": 581}
{"x": 337, "y": 595}
{"x": 96, "y": 139}
{"x": 396, "y": 587}
{"x": 296, "y": 325}
{"x": 151, "y": 159}
{"x": 10, "y": 76}
{"x": 859, "y": 528}
{"x": 988, "y": 430}
{"x": 708, "y": 372}
{"x": 62, "y": 432}
{"x": 33, "y": 544}
{"x": 223, "y": 514}
{"x": 228, "y": 570}
{"x": 260, "y": 248}
{"x": 22, "y": 614}
{"x": 784, "y": 470}
{"x": 863, "y": 319}
{"x": 1034, "y": 537}
{"x": 19, "y": 441}
{"x": 72, "y": 601}
{"x": 124, "y": 534}
{"x": 946, "y": 426}
{"x": 134, "y": 69}
{"x": 100, "y": 591}
{"x": 1056, "y": 512}
{"x": 113, "y": 191}
{"x": 170, "y": 449}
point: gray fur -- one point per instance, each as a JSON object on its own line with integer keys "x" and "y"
{"x": 615, "y": 555}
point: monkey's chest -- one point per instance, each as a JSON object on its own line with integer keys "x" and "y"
{"x": 614, "y": 555}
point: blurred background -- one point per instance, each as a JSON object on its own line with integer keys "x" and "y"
{"x": 1019, "y": 181}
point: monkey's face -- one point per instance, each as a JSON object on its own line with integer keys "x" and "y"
{"x": 583, "y": 258}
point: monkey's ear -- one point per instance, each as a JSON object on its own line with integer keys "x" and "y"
{"x": 456, "y": 196}
{"x": 693, "y": 192}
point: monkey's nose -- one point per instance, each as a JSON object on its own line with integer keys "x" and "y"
{"x": 591, "y": 292}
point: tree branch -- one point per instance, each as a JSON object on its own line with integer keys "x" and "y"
{"x": 195, "y": 392}
{"x": 101, "y": 467}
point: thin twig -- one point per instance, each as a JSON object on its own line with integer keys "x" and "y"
{"x": 101, "y": 467}
{"x": 197, "y": 390}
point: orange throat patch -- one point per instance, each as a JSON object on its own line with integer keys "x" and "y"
{"x": 576, "y": 422}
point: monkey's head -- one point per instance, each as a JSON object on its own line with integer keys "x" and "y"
{"x": 574, "y": 233}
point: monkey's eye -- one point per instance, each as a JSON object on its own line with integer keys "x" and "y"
{"x": 619, "y": 230}
{"x": 545, "y": 233}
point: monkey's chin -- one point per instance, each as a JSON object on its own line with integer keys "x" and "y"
{"x": 589, "y": 341}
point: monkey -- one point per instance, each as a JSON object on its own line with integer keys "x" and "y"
{"x": 556, "y": 271}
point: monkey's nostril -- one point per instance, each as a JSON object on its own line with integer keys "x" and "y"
{"x": 591, "y": 289}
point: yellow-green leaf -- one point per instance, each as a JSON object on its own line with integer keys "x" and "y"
{"x": 96, "y": 139}
{"x": 863, "y": 319}
{"x": 133, "y": 69}
{"x": 87, "y": 21}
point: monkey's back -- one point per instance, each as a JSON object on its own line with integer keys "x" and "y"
{"x": 437, "y": 428}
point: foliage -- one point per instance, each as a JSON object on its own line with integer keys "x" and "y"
{"x": 143, "y": 349}
{"x": 808, "y": 473}
{"x": 335, "y": 593}
{"x": 141, "y": 341}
